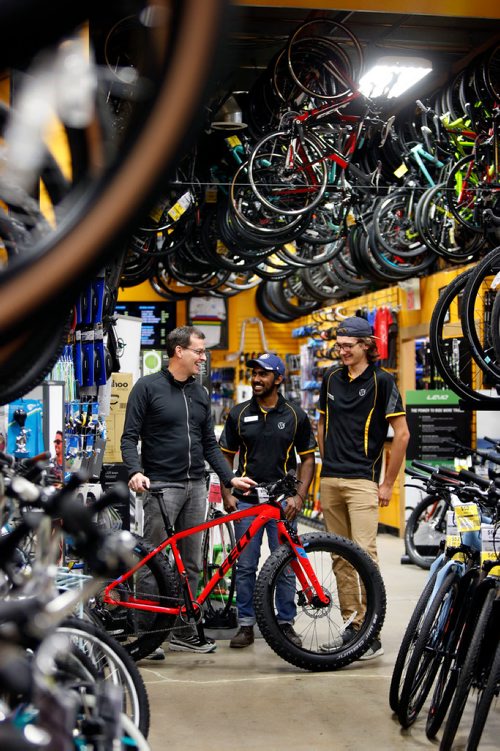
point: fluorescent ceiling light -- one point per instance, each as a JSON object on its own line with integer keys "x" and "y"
{"x": 392, "y": 76}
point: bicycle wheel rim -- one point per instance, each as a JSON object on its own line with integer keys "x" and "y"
{"x": 102, "y": 213}
{"x": 427, "y": 657}
{"x": 425, "y": 530}
{"x": 483, "y": 707}
{"x": 474, "y": 311}
{"x": 356, "y": 68}
{"x": 139, "y": 632}
{"x": 114, "y": 665}
{"x": 467, "y": 673}
{"x": 462, "y": 379}
{"x": 312, "y": 194}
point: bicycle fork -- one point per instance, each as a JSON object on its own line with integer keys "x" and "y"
{"x": 312, "y": 592}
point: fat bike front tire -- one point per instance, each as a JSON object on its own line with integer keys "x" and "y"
{"x": 321, "y": 628}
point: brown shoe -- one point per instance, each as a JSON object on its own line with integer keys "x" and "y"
{"x": 243, "y": 638}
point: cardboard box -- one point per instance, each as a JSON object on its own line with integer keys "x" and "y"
{"x": 121, "y": 386}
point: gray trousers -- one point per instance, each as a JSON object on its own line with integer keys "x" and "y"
{"x": 186, "y": 506}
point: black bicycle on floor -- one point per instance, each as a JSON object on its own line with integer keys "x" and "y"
{"x": 434, "y": 649}
{"x": 425, "y": 527}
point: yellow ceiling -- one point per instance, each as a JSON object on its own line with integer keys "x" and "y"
{"x": 464, "y": 8}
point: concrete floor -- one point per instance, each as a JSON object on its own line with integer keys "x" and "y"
{"x": 251, "y": 699}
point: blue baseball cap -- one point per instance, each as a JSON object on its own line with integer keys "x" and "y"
{"x": 354, "y": 326}
{"x": 268, "y": 362}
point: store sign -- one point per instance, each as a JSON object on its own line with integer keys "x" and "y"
{"x": 158, "y": 320}
{"x": 434, "y": 417}
{"x": 121, "y": 386}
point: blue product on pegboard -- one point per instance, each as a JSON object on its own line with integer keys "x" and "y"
{"x": 25, "y": 430}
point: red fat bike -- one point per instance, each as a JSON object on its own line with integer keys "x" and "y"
{"x": 143, "y": 605}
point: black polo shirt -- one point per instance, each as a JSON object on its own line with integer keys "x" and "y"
{"x": 267, "y": 440}
{"x": 356, "y": 412}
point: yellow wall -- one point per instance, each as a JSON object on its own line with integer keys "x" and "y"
{"x": 458, "y": 8}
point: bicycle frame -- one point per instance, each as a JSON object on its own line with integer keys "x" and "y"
{"x": 418, "y": 154}
{"x": 263, "y": 512}
{"x": 341, "y": 158}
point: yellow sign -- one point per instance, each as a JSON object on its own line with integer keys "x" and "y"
{"x": 121, "y": 386}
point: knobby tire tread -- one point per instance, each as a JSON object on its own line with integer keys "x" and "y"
{"x": 267, "y": 618}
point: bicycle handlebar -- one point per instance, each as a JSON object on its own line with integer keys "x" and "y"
{"x": 285, "y": 486}
{"x": 494, "y": 441}
{"x": 475, "y": 479}
{"x": 417, "y": 475}
{"x": 486, "y": 455}
{"x": 445, "y": 471}
{"x": 156, "y": 486}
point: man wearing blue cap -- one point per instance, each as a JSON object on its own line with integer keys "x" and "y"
{"x": 267, "y": 430}
{"x": 358, "y": 402}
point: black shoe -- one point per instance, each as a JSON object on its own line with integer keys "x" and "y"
{"x": 191, "y": 643}
{"x": 291, "y": 634}
{"x": 243, "y": 638}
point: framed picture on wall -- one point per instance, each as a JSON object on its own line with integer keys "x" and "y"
{"x": 210, "y": 315}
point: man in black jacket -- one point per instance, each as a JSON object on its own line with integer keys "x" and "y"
{"x": 170, "y": 413}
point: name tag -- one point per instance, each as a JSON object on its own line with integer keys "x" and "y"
{"x": 251, "y": 418}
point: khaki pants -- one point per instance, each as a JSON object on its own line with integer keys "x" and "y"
{"x": 350, "y": 509}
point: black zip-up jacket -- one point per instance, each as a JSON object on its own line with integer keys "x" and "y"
{"x": 173, "y": 420}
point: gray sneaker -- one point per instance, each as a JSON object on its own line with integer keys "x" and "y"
{"x": 375, "y": 650}
{"x": 158, "y": 654}
{"x": 339, "y": 641}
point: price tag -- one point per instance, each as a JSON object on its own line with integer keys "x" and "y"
{"x": 211, "y": 194}
{"x": 453, "y": 539}
{"x": 467, "y": 517}
{"x": 233, "y": 142}
{"x": 262, "y": 494}
{"x": 489, "y": 555}
{"x": 221, "y": 248}
{"x": 401, "y": 170}
{"x": 490, "y": 547}
{"x": 181, "y": 206}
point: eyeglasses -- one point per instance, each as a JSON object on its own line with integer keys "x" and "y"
{"x": 347, "y": 347}
{"x": 58, "y": 440}
{"x": 199, "y": 352}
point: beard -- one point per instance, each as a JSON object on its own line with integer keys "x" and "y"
{"x": 264, "y": 391}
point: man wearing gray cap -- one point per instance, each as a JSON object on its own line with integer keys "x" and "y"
{"x": 267, "y": 431}
{"x": 358, "y": 402}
